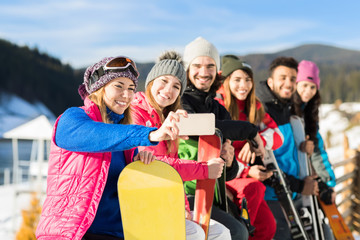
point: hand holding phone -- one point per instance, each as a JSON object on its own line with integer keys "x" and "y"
{"x": 197, "y": 124}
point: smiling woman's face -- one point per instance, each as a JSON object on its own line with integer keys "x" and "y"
{"x": 118, "y": 94}
{"x": 306, "y": 90}
{"x": 240, "y": 84}
{"x": 165, "y": 90}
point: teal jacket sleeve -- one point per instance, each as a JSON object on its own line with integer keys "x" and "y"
{"x": 321, "y": 164}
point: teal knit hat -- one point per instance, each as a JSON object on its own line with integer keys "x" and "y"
{"x": 231, "y": 63}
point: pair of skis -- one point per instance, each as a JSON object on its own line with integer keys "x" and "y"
{"x": 310, "y": 225}
{"x": 284, "y": 194}
{"x": 315, "y": 220}
{"x": 318, "y": 208}
{"x": 299, "y": 226}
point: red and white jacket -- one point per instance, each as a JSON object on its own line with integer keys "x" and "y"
{"x": 269, "y": 131}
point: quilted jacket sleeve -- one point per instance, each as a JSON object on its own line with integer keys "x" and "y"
{"x": 270, "y": 133}
{"x": 78, "y": 133}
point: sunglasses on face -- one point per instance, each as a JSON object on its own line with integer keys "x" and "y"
{"x": 117, "y": 64}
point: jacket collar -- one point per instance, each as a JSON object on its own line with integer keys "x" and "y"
{"x": 200, "y": 96}
{"x": 93, "y": 111}
{"x": 141, "y": 102}
{"x": 267, "y": 96}
{"x": 114, "y": 117}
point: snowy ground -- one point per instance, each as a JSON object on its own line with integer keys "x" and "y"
{"x": 331, "y": 120}
{"x": 13, "y": 200}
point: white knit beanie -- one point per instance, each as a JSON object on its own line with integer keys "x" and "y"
{"x": 200, "y": 47}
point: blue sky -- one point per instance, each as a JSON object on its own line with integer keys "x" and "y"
{"x": 81, "y": 32}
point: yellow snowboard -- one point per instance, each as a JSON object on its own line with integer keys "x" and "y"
{"x": 152, "y": 202}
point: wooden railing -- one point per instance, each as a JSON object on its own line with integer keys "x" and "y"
{"x": 348, "y": 187}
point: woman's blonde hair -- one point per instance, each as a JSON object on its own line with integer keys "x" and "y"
{"x": 163, "y": 113}
{"x": 254, "y": 115}
{"x": 98, "y": 98}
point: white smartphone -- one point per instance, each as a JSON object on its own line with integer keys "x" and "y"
{"x": 197, "y": 124}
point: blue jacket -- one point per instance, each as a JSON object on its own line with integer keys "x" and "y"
{"x": 320, "y": 160}
{"x": 286, "y": 155}
{"x": 321, "y": 164}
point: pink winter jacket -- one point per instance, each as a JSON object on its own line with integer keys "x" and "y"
{"x": 144, "y": 114}
{"x": 75, "y": 184}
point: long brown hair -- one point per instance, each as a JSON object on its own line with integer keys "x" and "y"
{"x": 310, "y": 113}
{"x": 98, "y": 98}
{"x": 254, "y": 115}
{"x": 163, "y": 113}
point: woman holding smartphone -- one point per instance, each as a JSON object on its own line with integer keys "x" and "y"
{"x": 164, "y": 85}
{"x": 90, "y": 147}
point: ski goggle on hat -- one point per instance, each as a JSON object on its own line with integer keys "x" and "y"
{"x": 118, "y": 64}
